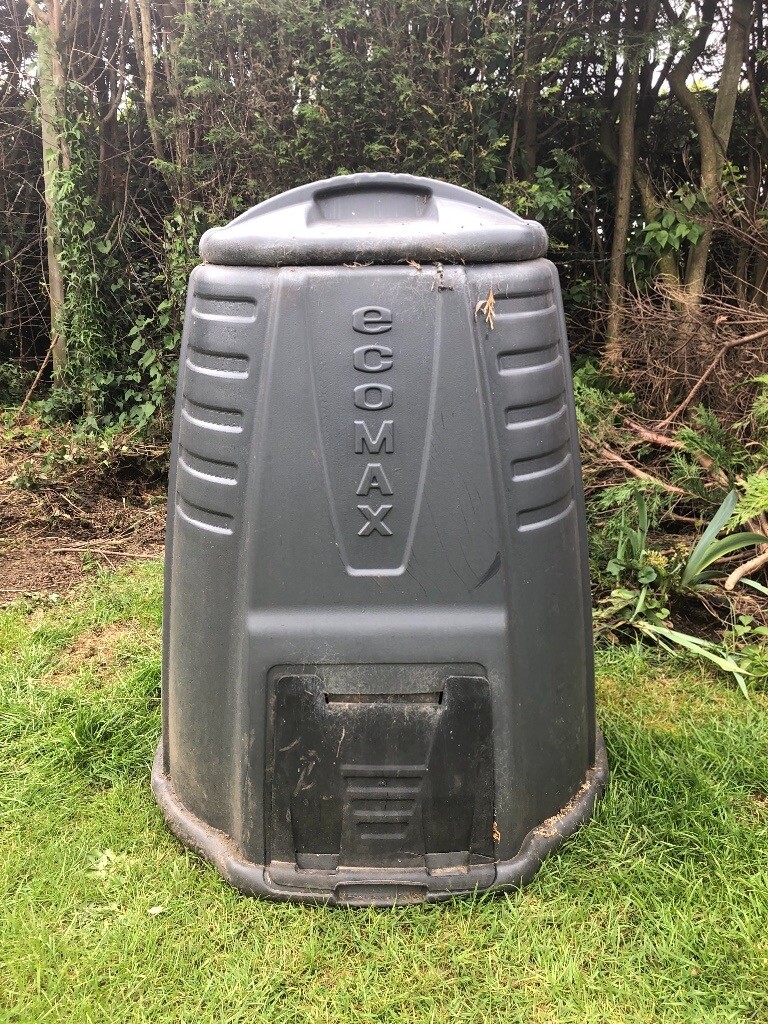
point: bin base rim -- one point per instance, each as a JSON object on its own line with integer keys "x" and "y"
{"x": 384, "y": 887}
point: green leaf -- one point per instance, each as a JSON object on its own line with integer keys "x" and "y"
{"x": 695, "y": 562}
{"x": 726, "y": 546}
{"x": 702, "y": 648}
{"x": 709, "y": 574}
{"x": 642, "y": 515}
{"x": 756, "y": 586}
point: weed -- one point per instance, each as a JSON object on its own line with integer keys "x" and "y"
{"x": 652, "y": 579}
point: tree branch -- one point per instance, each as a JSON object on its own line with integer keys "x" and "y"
{"x": 745, "y": 569}
{"x": 707, "y": 374}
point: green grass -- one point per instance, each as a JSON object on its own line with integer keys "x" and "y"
{"x": 657, "y": 912}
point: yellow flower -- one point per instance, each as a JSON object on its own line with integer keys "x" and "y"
{"x": 657, "y": 559}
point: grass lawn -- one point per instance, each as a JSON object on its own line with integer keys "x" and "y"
{"x": 658, "y": 911}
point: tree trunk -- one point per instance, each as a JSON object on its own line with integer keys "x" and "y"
{"x": 51, "y": 83}
{"x": 624, "y": 173}
{"x": 141, "y": 23}
{"x": 714, "y": 135}
{"x": 652, "y": 210}
{"x": 622, "y": 151}
{"x": 526, "y": 107}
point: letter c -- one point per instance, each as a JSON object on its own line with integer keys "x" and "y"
{"x": 375, "y": 365}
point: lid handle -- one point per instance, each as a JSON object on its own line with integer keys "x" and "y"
{"x": 363, "y": 202}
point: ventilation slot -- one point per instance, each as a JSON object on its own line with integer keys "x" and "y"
{"x": 217, "y": 364}
{"x": 204, "y": 518}
{"x": 541, "y": 465}
{"x": 385, "y": 789}
{"x": 536, "y": 414}
{"x": 211, "y": 417}
{"x": 518, "y": 305}
{"x": 376, "y": 772}
{"x": 433, "y": 698}
{"x": 545, "y": 515}
{"x": 372, "y": 789}
{"x": 225, "y": 309}
{"x": 529, "y": 358}
{"x": 383, "y": 822}
{"x": 210, "y": 470}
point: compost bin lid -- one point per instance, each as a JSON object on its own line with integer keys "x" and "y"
{"x": 374, "y": 218}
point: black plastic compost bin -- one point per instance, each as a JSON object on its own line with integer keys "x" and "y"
{"x": 378, "y": 679}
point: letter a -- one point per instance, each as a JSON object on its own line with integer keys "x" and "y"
{"x": 374, "y": 479}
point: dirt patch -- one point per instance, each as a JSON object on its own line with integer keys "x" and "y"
{"x": 48, "y": 544}
{"x": 96, "y": 651}
{"x": 63, "y": 514}
{"x": 754, "y": 812}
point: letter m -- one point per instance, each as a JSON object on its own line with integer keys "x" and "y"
{"x": 384, "y": 438}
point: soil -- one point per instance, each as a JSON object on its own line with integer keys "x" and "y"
{"x": 54, "y": 532}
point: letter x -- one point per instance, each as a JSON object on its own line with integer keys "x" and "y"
{"x": 374, "y": 521}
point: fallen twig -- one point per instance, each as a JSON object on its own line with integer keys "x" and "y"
{"x": 745, "y": 569}
{"x": 102, "y": 551}
{"x": 653, "y": 435}
{"x": 611, "y": 456}
{"x": 614, "y": 457}
{"x": 73, "y": 505}
{"x": 35, "y": 382}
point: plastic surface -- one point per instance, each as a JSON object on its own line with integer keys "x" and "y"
{"x": 375, "y": 218}
{"x": 378, "y": 655}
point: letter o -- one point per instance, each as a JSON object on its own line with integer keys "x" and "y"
{"x": 373, "y": 396}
